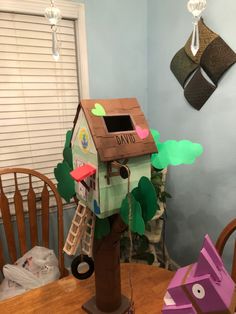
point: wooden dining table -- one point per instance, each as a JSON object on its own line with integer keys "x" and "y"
{"x": 68, "y": 294}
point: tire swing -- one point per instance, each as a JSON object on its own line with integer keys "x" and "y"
{"x": 82, "y": 259}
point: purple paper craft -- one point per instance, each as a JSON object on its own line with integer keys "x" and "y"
{"x": 203, "y": 287}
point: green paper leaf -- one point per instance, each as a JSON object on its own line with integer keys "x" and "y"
{"x": 136, "y": 194}
{"x": 145, "y": 194}
{"x": 155, "y": 135}
{"x": 98, "y": 110}
{"x": 67, "y": 155}
{"x": 68, "y": 138}
{"x": 102, "y": 228}
{"x": 137, "y": 222}
{"x": 65, "y": 186}
{"x": 174, "y": 153}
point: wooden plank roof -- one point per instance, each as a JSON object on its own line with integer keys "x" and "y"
{"x": 122, "y": 144}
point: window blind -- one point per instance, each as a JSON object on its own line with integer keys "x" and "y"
{"x": 38, "y": 96}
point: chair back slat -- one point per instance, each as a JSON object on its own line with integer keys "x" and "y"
{"x": 2, "y": 262}
{"x": 45, "y": 215}
{"x": 31, "y": 198}
{"x": 233, "y": 274}
{"x": 221, "y": 242}
{"x": 6, "y": 218}
{"x": 20, "y": 220}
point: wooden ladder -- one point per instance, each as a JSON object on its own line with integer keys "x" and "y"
{"x": 87, "y": 240}
{"x": 81, "y": 231}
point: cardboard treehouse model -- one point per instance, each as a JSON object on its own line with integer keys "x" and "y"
{"x": 111, "y": 149}
{"x": 108, "y": 136}
{"x": 203, "y": 287}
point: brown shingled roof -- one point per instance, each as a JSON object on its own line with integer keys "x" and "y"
{"x": 122, "y": 144}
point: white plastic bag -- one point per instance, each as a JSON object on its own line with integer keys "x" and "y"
{"x": 36, "y": 268}
{"x": 9, "y": 289}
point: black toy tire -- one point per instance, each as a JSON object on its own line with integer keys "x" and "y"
{"x": 82, "y": 259}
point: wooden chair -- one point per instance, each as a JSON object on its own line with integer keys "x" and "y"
{"x": 28, "y": 198}
{"x": 221, "y": 241}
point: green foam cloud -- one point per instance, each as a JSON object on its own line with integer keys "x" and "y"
{"x": 174, "y": 153}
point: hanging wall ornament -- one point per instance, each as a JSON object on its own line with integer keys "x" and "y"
{"x": 202, "y": 62}
{"x": 53, "y": 14}
{"x": 196, "y": 7}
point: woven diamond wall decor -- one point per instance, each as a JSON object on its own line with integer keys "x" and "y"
{"x": 214, "y": 57}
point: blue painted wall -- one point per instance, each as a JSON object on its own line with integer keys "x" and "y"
{"x": 117, "y": 48}
{"x": 203, "y": 194}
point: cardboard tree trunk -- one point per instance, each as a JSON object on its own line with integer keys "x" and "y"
{"x": 108, "y": 298}
{"x": 107, "y": 275}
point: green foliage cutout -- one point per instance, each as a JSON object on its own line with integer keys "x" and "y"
{"x": 145, "y": 194}
{"x": 67, "y": 152}
{"x": 174, "y": 153}
{"x": 137, "y": 222}
{"x": 143, "y": 203}
{"x": 67, "y": 155}
{"x": 66, "y": 185}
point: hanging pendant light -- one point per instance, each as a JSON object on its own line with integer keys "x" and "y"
{"x": 196, "y": 7}
{"x": 53, "y": 15}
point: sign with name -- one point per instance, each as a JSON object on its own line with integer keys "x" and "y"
{"x": 125, "y": 139}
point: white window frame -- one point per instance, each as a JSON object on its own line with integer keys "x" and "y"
{"x": 69, "y": 10}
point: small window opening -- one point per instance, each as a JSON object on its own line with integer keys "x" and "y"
{"x": 118, "y": 123}
{"x": 92, "y": 183}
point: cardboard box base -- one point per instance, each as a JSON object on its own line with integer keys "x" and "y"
{"x": 91, "y": 308}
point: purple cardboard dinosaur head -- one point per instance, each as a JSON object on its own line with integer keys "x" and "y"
{"x": 203, "y": 287}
